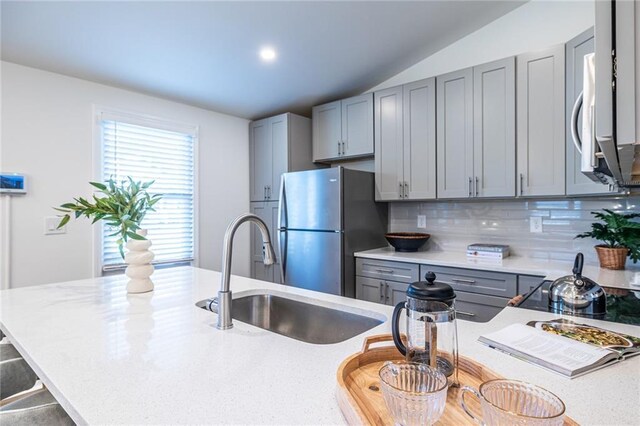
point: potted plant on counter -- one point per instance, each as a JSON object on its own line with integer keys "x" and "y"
{"x": 620, "y": 236}
{"x": 123, "y": 206}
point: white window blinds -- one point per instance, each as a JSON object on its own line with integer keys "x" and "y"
{"x": 147, "y": 152}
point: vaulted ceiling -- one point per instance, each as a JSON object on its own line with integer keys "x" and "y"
{"x": 206, "y": 53}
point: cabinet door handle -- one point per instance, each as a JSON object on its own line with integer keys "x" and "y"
{"x": 462, "y": 280}
{"x": 339, "y": 148}
{"x": 343, "y": 148}
{"x": 470, "y": 186}
{"x": 268, "y": 192}
{"x": 265, "y": 192}
{"x": 469, "y": 314}
{"x": 386, "y": 292}
{"x": 381, "y": 290}
{"x": 477, "y": 186}
{"x": 521, "y": 184}
{"x": 401, "y": 189}
{"x": 406, "y": 189}
{"x": 385, "y": 271}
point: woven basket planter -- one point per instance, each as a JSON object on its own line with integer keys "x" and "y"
{"x": 612, "y": 258}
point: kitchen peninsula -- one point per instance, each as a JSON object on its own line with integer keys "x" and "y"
{"x": 113, "y": 358}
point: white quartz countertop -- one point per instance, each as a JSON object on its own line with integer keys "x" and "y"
{"x": 154, "y": 358}
{"x": 550, "y": 270}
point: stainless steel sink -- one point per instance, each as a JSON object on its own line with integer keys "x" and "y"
{"x": 296, "y": 319}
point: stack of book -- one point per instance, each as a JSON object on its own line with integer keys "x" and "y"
{"x": 487, "y": 251}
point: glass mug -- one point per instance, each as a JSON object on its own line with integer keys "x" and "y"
{"x": 414, "y": 393}
{"x": 511, "y": 402}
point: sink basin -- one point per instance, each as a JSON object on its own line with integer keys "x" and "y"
{"x": 298, "y": 320}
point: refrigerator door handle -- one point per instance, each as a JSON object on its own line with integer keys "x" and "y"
{"x": 283, "y": 259}
{"x": 281, "y": 205}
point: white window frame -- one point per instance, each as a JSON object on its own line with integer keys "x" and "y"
{"x": 101, "y": 113}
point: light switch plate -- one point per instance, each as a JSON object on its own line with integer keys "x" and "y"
{"x": 535, "y": 224}
{"x": 422, "y": 221}
{"x": 50, "y": 225}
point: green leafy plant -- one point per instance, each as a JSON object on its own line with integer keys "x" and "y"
{"x": 617, "y": 231}
{"x": 122, "y": 207}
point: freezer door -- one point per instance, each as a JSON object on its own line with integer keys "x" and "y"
{"x": 312, "y": 260}
{"x": 312, "y": 200}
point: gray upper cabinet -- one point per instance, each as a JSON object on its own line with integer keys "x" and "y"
{"x": 476, "y": 131}
{"x": 389, "y": 159}
{"x": 327, "y": 131}
{"x": 455, "y": 134}
{"x": 261, "y": 164}
{"x": 419, "y": 147}
{"x": 405, "y": 142}
{"x": 277, "y": 145}
{"x": 540, "y": 122}
{"x": 343, "y": 129}
{"x": 494, "y": 129}
{"x": 575, "y": 49}
{"x": 357, "y": 126}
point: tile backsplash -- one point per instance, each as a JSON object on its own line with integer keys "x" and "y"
{"x": 455, "y": 224}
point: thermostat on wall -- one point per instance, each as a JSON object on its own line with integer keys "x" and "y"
{"x": 13, "y": 183}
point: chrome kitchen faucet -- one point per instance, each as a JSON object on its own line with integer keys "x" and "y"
{"x": 268, "y": 257}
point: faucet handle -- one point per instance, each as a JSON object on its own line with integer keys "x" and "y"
{"x": 268, "y": 255}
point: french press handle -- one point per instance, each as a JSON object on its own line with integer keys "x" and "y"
{"x": 395, "y": 328}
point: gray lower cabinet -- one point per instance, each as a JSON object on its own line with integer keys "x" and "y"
{"x": 386, "y": 270}
{"x": 540, "y": 92}
{"x": 480, "y": 295}
{"x": 267, "y": 211}
{"x": 381, "y": 291}
{"x": 489, "y": 283}
{"x": 405, "y": 142}
{"x": 478, "y": 307}
{"x": 382, "y": 281}
{"x": 575, "y": 49}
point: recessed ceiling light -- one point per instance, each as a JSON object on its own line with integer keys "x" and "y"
{"x": 267, "y": 54}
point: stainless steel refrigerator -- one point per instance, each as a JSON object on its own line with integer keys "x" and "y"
{"x": 324, "y": 216}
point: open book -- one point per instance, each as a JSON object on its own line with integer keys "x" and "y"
{"x": 563, "y": 346}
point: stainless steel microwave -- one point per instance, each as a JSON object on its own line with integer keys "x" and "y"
{"x": 616, "y": 125}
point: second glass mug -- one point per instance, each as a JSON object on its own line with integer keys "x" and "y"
{"x": 511, "y": 402}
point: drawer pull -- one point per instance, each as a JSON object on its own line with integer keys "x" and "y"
{"x": 385, "y": 271}
{"x": 460, "y": 280}
{"x": 469, "y": 314}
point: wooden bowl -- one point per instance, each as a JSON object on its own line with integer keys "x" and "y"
{"x": 407, "y": 241}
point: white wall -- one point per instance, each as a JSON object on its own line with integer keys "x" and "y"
{"x": 535, "y": 25}
{"x": 46, "y": 133}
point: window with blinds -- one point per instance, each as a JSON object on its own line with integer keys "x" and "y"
{"x": 152, "y": 151}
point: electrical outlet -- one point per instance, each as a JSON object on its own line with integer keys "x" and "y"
{"x": 51, "y": 225}
{"x": 422, "y": 221}
{"x": 535, "y": 224}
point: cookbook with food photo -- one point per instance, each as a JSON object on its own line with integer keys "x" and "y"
{"x": 562, "y": 346}
{"x": 623, "y": 344}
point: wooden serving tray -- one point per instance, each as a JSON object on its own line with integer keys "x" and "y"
{"x": 360, "y": 396}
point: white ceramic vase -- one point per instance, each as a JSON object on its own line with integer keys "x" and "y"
{"x": 139, "y": 269}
